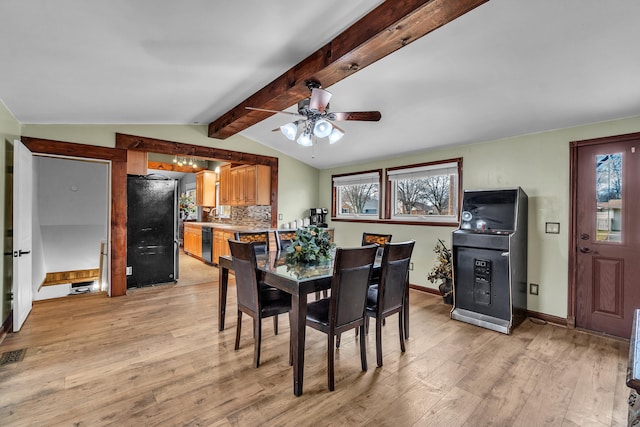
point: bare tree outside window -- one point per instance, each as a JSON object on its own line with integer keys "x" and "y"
{"x": 423, "y": 196}
{"x": 356, "y": 197}
{"x": 438, "y": 193}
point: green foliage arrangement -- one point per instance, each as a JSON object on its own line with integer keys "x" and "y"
{"x": 187, "y": 205}
{"x": 311, "y": 244}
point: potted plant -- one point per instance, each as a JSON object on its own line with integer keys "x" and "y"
{"x": 442, "y": 272}
{"x": 310, "y": 244}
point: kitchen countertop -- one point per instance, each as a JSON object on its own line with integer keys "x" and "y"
{"x": 231, "y": 227}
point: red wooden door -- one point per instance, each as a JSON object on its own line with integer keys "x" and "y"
{"x": 607, "y": 235}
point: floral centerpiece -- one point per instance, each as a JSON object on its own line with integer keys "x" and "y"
{"x": 310, "y": 244}
{"x": 187, "y": 205}
{"x": 441, "y": 271}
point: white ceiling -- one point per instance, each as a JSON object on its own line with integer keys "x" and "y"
{"x": 509, "y": 67}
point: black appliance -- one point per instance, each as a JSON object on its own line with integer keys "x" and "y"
{"x": 490, "y": 259}
{"x": 152, "y": 245}
{"x": 207, "y": 243}
{"x": 317, "y": 216}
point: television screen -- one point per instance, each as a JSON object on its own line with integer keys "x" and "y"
{"x": 489, "y": 211}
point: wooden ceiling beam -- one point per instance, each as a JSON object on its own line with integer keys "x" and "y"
{"x": 387, "y": 28}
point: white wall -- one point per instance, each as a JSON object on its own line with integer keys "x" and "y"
{"x": 71, "y": 211}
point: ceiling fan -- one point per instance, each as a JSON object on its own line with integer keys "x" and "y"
{"x": 315, "y": 119}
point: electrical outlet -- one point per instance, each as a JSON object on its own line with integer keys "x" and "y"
{"x": 129, "y": 270}
{"x": 533, "y": 288}
{"x": 411, "y": 266}
{"x": 280, "y": 217}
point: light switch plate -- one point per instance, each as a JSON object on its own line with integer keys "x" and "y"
{"x": 552, "y": 227}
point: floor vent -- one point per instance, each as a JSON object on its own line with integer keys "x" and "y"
{"x": 12, "y": 356}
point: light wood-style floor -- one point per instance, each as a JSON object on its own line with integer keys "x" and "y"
{"x": 155, "y": 357}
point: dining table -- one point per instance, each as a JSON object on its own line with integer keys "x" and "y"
{"x": 298, "y": 280}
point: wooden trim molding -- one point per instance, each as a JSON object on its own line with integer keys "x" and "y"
{"x": 118, "y": 158}
{"x": 153, "y": 145}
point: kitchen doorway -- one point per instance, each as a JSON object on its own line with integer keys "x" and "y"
{"x": 70, "y": 226}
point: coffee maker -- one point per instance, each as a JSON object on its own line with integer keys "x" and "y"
{"x": 317, "y": 216}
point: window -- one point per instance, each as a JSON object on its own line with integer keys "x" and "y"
{"x": 357, "y": 195}
{"x": 427, "y": 192}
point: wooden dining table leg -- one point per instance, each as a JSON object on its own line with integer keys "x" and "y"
{"x": 298, "y": 332}
{"x": 223, "y": 283}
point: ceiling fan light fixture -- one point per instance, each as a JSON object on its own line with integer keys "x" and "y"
{"x": 305, "y": 139}
{"x": 322, "y": 128}
{"x": 335, "y": 136}
{"x": 289, "y": 130}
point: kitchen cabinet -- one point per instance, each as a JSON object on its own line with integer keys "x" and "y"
{"x": 206, "y": 188}
{"x": 221, "y": 243}
{"x": 250, "y": 185}
{"x": 237, "y": 186}
{"x": 193, "y": 239}
{"x": 225, "y": 184}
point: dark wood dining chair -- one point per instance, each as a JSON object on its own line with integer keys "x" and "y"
{"x": 345, "y": 308}
{"x": 284, "y": 238}
{"x": 254, "y": 297}
{"x": 261, "y": 239}
{"x": 388, "y": 296}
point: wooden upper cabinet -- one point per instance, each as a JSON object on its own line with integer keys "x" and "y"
{"x": 206, "y": 188}
{"x": 247, "y": 185}
{"x": 237, "y": 186}
{"x": 257, "y": 185}
{"x": 225, "y": 184}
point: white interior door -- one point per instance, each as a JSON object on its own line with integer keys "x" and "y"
{"x": 22, "y": 226}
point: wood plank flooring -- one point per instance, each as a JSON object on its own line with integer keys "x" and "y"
{"x": 155, "y": 357}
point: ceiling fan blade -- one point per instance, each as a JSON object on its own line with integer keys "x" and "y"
{"x": 319, "y": 99}
{"x": 365, "y": 116}
{"x": 338, "y": 127}
{"x": 274, "y": 111}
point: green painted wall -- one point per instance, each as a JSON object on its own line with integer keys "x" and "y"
{"x": 539, "y": 163}
{"x": 9, "y": 131}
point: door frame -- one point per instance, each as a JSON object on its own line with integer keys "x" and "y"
{"x": 118, "y": 157}
{"x": 573, "y": 212}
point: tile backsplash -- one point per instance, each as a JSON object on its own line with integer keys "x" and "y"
{"x": 253, "y": 216}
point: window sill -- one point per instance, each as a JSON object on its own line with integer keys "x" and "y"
{"x": 398, "y": 222}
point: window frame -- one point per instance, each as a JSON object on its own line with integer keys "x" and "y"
{"x": 385, "y": 198}
{"x": 337, "y": 216}
{"x": 436, "y": 220}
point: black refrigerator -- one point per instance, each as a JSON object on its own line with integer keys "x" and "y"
{"x": 152, "y": 227}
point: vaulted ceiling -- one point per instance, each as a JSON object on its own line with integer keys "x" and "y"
{"x": 504, "y": 68}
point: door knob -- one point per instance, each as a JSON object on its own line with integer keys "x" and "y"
{"x": 585, "y": 250}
